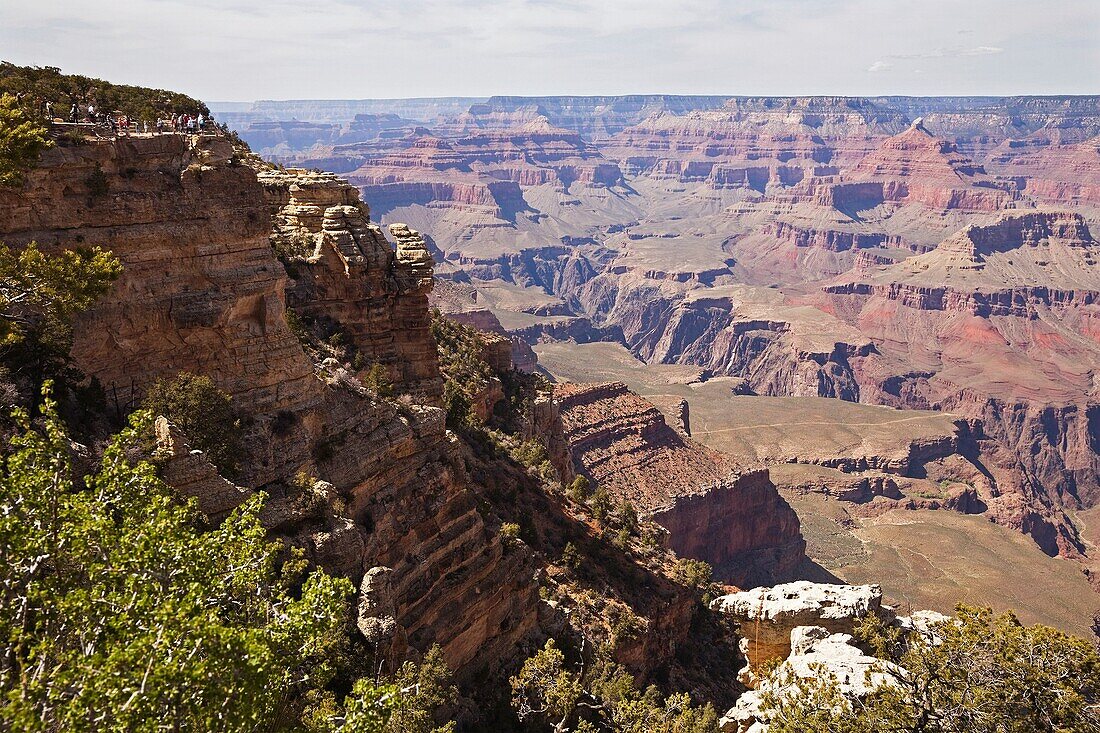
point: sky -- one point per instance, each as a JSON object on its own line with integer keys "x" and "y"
{"x": 243, "y": 50}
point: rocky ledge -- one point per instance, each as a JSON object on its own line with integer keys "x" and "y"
{"x": 734, "y": 520}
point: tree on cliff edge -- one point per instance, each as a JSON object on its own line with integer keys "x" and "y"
{"x": 22, "y": 140}
{"x": 975, "y": 673}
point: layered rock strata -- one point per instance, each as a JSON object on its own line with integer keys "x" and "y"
{"x": 202, "y": 291}
{"x": 734, "y": 520}
{"x": 345, "y": 271}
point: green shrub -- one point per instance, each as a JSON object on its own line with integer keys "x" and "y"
{"x": 204, "y": 413}
{"x": 97, "y": 182}
{"x": 119, "y": 614}
{"x": 977, "y": 672}
{"x": 697, "y": 574}
{"x": 40, "y": 294}
{"x": 546, "y": 692}
{"x": 465, "y": 373}
{"x": 377, "y": 380}
{"x": 628, "y": 517}
{"x": 578, "y": 490}
{"x": 509, "y": 534}
{"x": 600, "y": 504}
{"x": 297, "y": 326}
{"x": 22, "y": 140}
{"x": 571, "y": 557}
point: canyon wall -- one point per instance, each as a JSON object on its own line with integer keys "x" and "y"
{"x": 202, "y": 291}
{"x": 734, "y": 520}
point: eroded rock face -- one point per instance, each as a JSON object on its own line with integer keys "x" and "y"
{"x": 808, "y": 626}
{"x": 192, "y": 474}
{"x": 734, "y": 520}
{"x": 347, "y": 272}
{"x": 769, "y": 615}
{"x": 884, "y": 250}
{"x": 202, "y": 291}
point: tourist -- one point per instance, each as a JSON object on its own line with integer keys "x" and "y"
{"x": 201, "y": 121}
{"x": 74, "y": 112}
{"x": 49, "y": 111}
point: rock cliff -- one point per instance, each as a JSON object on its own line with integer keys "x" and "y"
{"x": 202, "y": 291}
{"x": 734, "y": 520}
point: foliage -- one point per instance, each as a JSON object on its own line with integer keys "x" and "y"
{"x": 377, "y": 380}
{"x": 120, "y": 615}
{"x": 600, "y": 503}
{"x": 697, "y": 574}
{"x": 570, "y": 556}
{"x": 22, "y": 140}
{"x": 578, "y": 490}
{"x": 46, "y": 83}
{"x": 976, "y": 672}
{"x": 544, "y": 690}
{"x": 600, "y": 698}
{"x": 628, "y": 517}
{"x": 97, "y": 182}
{"x": 204, "y": 413}
{"x": 509, "y": 534}
{"x": 40, "y": 294}
{"x": 426, "y": 690}
{"x": 465, "y": 372}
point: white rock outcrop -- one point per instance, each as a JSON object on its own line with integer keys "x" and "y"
{"x": 813, "y": 649}
{"x": 768, "y": 616}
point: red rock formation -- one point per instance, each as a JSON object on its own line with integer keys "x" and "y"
{"x": 735, "y": 521}
{"x": 347, "y": 272}
{"x": 202, "y": 291}
{"x": 917, "y": 167}
{"x": 993, "y": 325}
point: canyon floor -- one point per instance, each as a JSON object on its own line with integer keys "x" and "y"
{"x": 921, "y": 558}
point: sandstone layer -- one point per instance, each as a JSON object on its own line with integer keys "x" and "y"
{"x": 202, "y": 291}
{"x": 734, "y": 520}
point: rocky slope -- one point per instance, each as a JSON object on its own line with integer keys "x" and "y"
{"x": 863, "y": 249}
{"x": 735, "y": 520}
{"x": 202, "y": 291}
{"x": 278, "y": 285}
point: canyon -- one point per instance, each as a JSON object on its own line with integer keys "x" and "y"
{"x": 935, "y": 256}
{"x": 280, "y": 286}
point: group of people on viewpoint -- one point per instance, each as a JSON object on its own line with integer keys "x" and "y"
{"x": 121, "y": 124}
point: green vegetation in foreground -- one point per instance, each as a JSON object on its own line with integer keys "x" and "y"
{"x": 602, "y": 697}
{"x": 41, "y": 84}
{"x": 120, "y": 614}
{"x": 976, "y": 673}
{"x": 39, "y": 296}
{"x": 23, "y": 137}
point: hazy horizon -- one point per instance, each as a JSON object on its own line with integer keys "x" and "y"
{"x": 485, "y": 97}
{"x": 246, "y": 50}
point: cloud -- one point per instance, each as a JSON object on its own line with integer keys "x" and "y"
{"x": 344, "y": 49}
{"x": 949, "y": 53}
{"x": 981, "y": 51}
